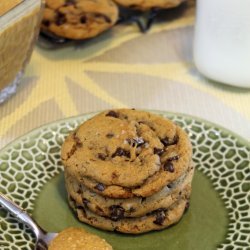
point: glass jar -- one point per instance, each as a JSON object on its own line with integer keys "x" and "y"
{"x": 19, "y": 28}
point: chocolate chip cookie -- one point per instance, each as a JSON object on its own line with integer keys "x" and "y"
{"x": 128, "y": 171}
{"x": 78, "y": 19}
{"x": 149, "y": 4}
{"x": 156, "y": 220}
{"x": 132, "y": 207}
{"x": 125, "y": 153}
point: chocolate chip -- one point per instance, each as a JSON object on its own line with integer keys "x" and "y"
{"x": 133, "y": 6}
{"x": 167, "y": 142}
{"x": 160, "y": 217}
{"x": 85, "y": 201}
{"x": 187, "y": 206}
{"x": 116, "y": 212}
{"x": 131, "y": 142}
{"x": 70, "y": 2}
{"x": 83, "y": 19}
{"x": 121, "y": 152}
{"x": 101, "y": 156}
{"x": 112, "y": 114}
{"x": 46, "y": 23}
{"x": 109, "y": 135}
{"x": 83, "y": 212}
{"x": 114, "y": 175}
{"x": 100, "y": 187}
{"x": 77, "y": 140}
{"x": 107, "y": 19}
{"x": 139, "y": 141}
{"x": 78, "y": 144}
{"x": 72, "y": 151}
{"x": 61, "y": 19}
{"x": 155, "y": 9}
{"x": 173, "y": 158}
{"x": 143, "y": 199}
{"x": 158, "y": 151}
{"x": 71, "y": 199}
{"x": 168, "y": 166}
{"x": 176, "y": 139}
{"x": 78, "y": 207}
{"x": 132, "y": 209}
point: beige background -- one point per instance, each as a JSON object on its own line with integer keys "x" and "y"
{"x": 123, "y": 68}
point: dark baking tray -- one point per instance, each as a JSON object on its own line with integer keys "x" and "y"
{"x": 143, "y": 20}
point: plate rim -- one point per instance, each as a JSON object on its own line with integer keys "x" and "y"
{"x": 228, "y": 131}
{"x": 77, "y": 119}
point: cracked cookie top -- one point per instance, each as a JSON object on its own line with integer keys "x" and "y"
{"x": 128, "y": 149}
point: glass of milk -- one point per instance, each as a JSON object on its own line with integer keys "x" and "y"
{"x": 222, "y": 41}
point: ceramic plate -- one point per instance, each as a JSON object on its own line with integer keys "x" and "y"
{"x": 219, "y": 214}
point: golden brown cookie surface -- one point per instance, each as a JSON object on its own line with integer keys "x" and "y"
{"x": 125, "y": 153}
{"x": 78, "y": 19}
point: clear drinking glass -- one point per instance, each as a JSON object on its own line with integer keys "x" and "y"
{"x": 222, "y": 40}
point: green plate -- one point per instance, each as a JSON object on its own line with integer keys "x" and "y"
{"x": 219, "y": 214}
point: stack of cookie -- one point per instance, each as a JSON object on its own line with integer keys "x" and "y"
{"x": 128, "y": 171}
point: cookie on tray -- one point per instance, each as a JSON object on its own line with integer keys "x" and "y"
{"x": 78, "y": 19}
{"x": 126, "y": 153}
{"x": 149, "y": 4}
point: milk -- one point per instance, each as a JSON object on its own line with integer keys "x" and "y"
{"x": 222, "y": 40}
